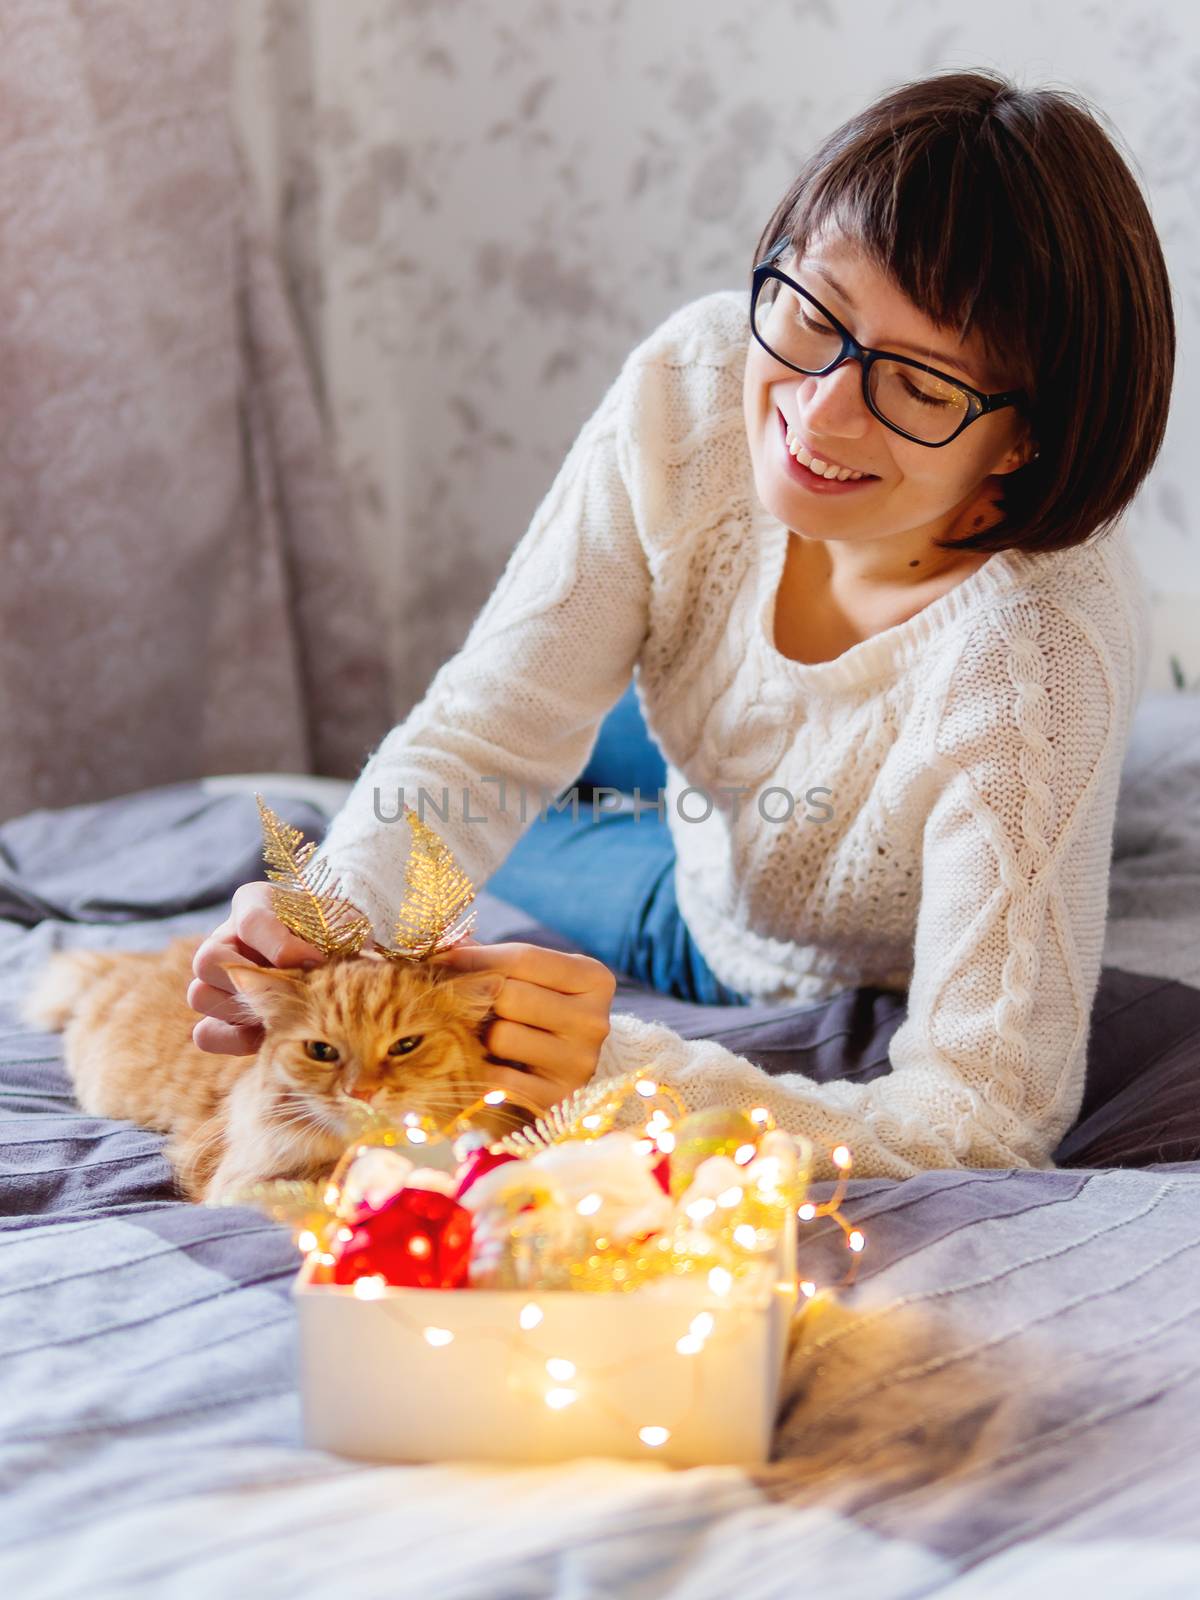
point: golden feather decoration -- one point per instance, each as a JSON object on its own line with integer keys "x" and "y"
{"x": 307, "y": 899}
{"x": 588, "y": 1113}
{"x": 436, "y": 891}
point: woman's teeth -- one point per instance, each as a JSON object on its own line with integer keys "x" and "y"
{"x": 815, "y": 464}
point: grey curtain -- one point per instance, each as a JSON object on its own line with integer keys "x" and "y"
{"x": 180, "y": 586}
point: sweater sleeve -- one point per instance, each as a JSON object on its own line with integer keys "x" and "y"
{"x": 512, "y": 717}
{"x": 987, "y": 1069}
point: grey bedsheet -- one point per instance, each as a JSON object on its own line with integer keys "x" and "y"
{"x": 1009, "y": 1398}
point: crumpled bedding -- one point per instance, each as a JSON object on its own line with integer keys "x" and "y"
{"x": 1007, "y": 1399}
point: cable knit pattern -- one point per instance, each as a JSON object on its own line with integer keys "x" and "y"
{"x": 931, "y": 811}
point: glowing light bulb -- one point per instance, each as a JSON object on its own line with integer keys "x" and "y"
{"x": 418, "y": 1245}
{"x": 592, "y": 1120}
{"x": 699, "y": 1209}
{"x": 562, "y": 1369}
{"x": 645, "y": 1087}
{"x": 436, "y": 1336}
{"x": 807, "y": 1212}
{"x": 556, "y": 1399}
{"x": 497, "y": 1097}
{"x": 689, "y": 1345}
{"x": 530, "y": 1316}
{"x": 841, "y": 1156}
{"x": 744, "y": 1153}
{"x": 720, "y": 1281}
{"x": 666, "y": 1141}
{"x": 345, "y": 1234}
{"x": 746, "y": 1234}
{"x": 760, "y": 1114}
{"x": 331, "y": 1194}
{"x": 730, "y": 1196}
{"x": 370, "y": 1288}
{"x": 855, "y": 1240}
{"x": 654, "y": 1436}
{"x": 703, "y": 1324}
{"x": 808, "y": 1288}
{"x": 589, "y": 1205}
{"x": 645, "y": 1147}
{"x": 416, "y": 1135}
{"x": 307, "y": 1240}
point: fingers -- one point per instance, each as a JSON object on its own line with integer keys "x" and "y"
{"x": 210, "y": 957}
{"x": 222, "y": 1028}
{"x": 565, "y": 1061}
{"x": 526, "y": 1087}
{"x": 251, "y": 932}
{"x": 263, "y": 936}
{"x": 211, "y": 1002}
{"x": 565, "y": 971}
{"x": 552, "y": 1011}
{"x": 541, "y": 1008}
{"x": 223, "y": 1040}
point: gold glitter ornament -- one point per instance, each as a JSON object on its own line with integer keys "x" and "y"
{"x": 310, "y": 901}
{"x": 712, "y": 1132}
{"x": 436, "y": 891}
{"x": 592, "y": 1111}
{"x": 306, "y": 898}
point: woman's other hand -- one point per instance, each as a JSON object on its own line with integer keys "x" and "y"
{"x": 552, "y": 1016}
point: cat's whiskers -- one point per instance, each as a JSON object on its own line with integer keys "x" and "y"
{"x": 292, "y": 1110}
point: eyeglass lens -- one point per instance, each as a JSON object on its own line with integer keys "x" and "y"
{"x": 916, "y": 401}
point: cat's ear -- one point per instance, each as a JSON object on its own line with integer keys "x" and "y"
{"x": 475, "y": 992}
{"x": 269, "y": 994}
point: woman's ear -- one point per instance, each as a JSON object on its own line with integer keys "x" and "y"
{"x": 1021, "y": 453}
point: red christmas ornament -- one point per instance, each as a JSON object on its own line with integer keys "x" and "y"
{"x": 474, "y": 1167}
{"x": 662, "y": 1171}
{"x": 419, "y": 1239}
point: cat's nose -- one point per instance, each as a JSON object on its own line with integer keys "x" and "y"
{"x": 364, "y": 1091}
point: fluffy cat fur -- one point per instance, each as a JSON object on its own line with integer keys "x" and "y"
{"x": 237, "y": 1120}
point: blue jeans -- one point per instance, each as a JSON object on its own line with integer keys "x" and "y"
{"x": 608, "y": 882}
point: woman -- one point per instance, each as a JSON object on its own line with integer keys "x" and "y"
{"x": 863, "y": 551}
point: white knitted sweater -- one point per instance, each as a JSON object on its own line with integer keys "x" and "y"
{"x": 967, "y": 763}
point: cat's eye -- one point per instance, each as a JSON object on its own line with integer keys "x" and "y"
{"x": 318, "y": 1050}
{"x": 403, "y": 1047}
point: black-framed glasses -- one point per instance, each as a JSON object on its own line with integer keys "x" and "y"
{"x": 914, "y": 400}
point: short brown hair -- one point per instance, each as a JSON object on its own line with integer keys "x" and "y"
{"x": 1011, "y": 211}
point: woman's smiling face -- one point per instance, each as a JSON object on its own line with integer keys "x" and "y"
{"x": 916, "y": 493}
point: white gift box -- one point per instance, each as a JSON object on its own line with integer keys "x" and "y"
{"x": 674, "y": 1371}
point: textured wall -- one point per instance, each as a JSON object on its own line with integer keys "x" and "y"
{"x": 172, "y": 602}
{"x": 483, "y": 207}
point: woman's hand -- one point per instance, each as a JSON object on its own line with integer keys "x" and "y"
{"x": 251, "y": 932}
{"x": 552, "y": 1016}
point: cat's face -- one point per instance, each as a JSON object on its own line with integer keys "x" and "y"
{"x": 397, "y": 1036}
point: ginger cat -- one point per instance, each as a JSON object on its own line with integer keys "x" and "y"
{"x": 404, "y": 1037}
